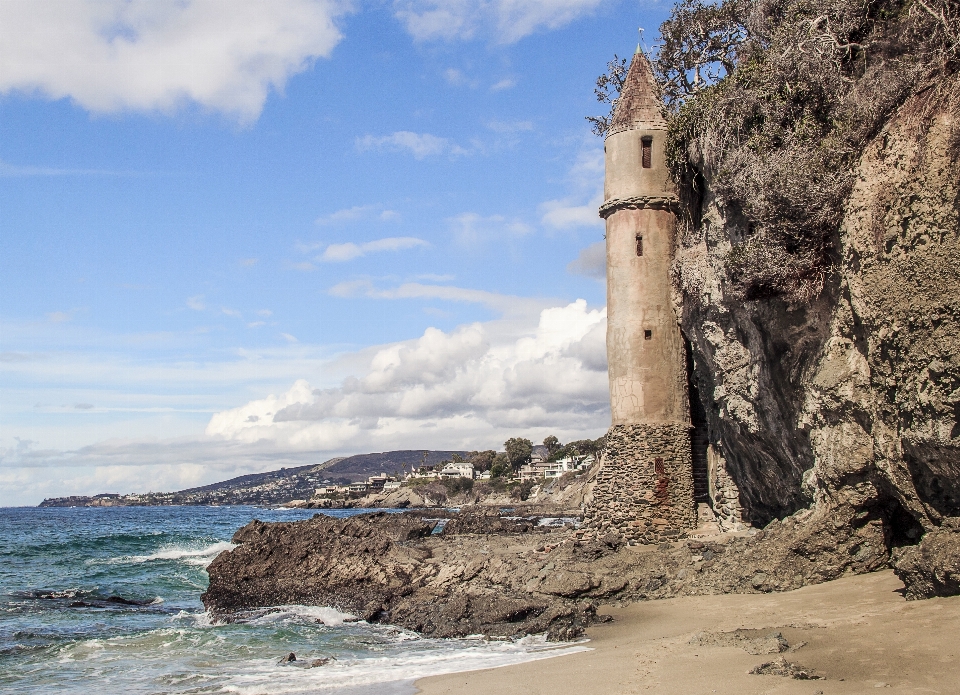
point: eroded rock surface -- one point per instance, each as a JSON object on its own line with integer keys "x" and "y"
{"x": 384, "y": 568}
{"x": 849, "y": 405}
{"x": 499, "y": 575}
{"x": 932, "y": 568}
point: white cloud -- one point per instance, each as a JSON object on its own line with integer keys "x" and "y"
{"x": 196, "y": 303}
{"x": 420, "y": 145}
{"x": 144, "y": 55}
{"x": 249, "y": 262}
{"x": 538, "y": 371}
{"x": 457, "y": 78}
{"x": 58, "y": 316}
{"x": 591, "y": 262}
{"x": 337, "y": 253}
{"x": 503, "y": 303}
{"x": 289, "y": 338}
{"x": 506, "y": 21}
{"x": 471, "y": 229}
{"x": 473, "y": 386}
{"x": 359, "y": 212}
{"x": 231, "y": 312}
{"x": 506, "y": 83}
{"x": 565, "y": 214}
{"x": 586, "y": 180}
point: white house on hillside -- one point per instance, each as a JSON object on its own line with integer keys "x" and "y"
{"x": 462, "y": 469}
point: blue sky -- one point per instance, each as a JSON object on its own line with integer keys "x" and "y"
{"x": 239, "y": 235}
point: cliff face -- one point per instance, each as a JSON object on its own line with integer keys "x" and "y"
{"x": 850, "y": 404}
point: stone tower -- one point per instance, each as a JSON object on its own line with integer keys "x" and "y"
{"x": 644, "y": 488}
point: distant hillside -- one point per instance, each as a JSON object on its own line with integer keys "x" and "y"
{"x": 272, "y": 487}
{"x": 363, "y": 465}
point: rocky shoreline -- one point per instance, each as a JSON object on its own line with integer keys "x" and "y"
{"x": 501, "y": 574}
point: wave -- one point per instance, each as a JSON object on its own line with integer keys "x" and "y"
{"x": 199, "y": 557}
{"x": 394, "y": 673}
{"x": 330, "y": 617}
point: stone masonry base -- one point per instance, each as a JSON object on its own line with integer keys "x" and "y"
{"x": 644, "y": 486}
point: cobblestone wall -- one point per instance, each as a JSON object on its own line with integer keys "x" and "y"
{"x": 644, "y": 486}
{"x": 724, "y": 493}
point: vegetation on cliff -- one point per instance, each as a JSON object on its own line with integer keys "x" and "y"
{"x": 772, "y": 102}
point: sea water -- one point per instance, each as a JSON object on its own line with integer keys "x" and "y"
{"x": 107, "y": 600}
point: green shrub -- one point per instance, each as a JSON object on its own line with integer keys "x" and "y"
{"x": 456, "y": 486}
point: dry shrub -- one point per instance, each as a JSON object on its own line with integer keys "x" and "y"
{"x": 788, "y": 94}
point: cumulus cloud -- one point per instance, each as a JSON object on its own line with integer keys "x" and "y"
{"x": 142, "y": 55}
{"x": 506, "y": 21}
{"x": 472, "y": 386}
{"x": 591, "y": 262}
{"x": 506, "y": 83}
{"x": 420, "y": 145}
{"x": 337, "y": 253}
{"x": 532, "y": 373}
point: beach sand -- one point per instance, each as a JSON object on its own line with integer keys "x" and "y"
{"x": 860, "y": 635}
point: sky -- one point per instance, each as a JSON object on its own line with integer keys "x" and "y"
{"x": 237, "y": 235}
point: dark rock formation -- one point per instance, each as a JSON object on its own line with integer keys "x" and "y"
{"x": 932, "y": 568}
{"x": 381, "y": 568}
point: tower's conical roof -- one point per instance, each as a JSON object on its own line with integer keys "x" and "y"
{"x": 638, "y": 107}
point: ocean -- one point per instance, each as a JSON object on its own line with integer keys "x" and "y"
{"x": 107, "y": 600}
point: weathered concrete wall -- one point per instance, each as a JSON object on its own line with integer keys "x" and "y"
{"x": 645, "y": 351}
{"x": 644, "y": 486}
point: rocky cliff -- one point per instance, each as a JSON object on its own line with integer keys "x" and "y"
{"x": 846, "y": 406}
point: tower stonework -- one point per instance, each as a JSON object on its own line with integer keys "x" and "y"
{"x": 644, "y": 486}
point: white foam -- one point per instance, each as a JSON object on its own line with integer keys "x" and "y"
{"x": 330, "y": 617}
{"x": 395, "y": 673}
{"x": 199, "y": 557}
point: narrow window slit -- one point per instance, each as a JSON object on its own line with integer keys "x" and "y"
{"x": 648, "y": 335}
{"x": 639, "y": 245}
{"x": 647, "y": 144}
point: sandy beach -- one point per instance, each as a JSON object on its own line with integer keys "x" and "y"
{"x": 857, "y": 634}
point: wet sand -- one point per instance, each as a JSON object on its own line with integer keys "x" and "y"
{"x": 859, "y": 634}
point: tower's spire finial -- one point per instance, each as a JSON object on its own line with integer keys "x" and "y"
{"x": 639, "y": 50}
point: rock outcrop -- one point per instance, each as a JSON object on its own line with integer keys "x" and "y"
{"x": 383, "y": 568}
{"x": 846, "y": 408}
{"x": 502, "y": 575}
{"x": 932, "y": 567}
